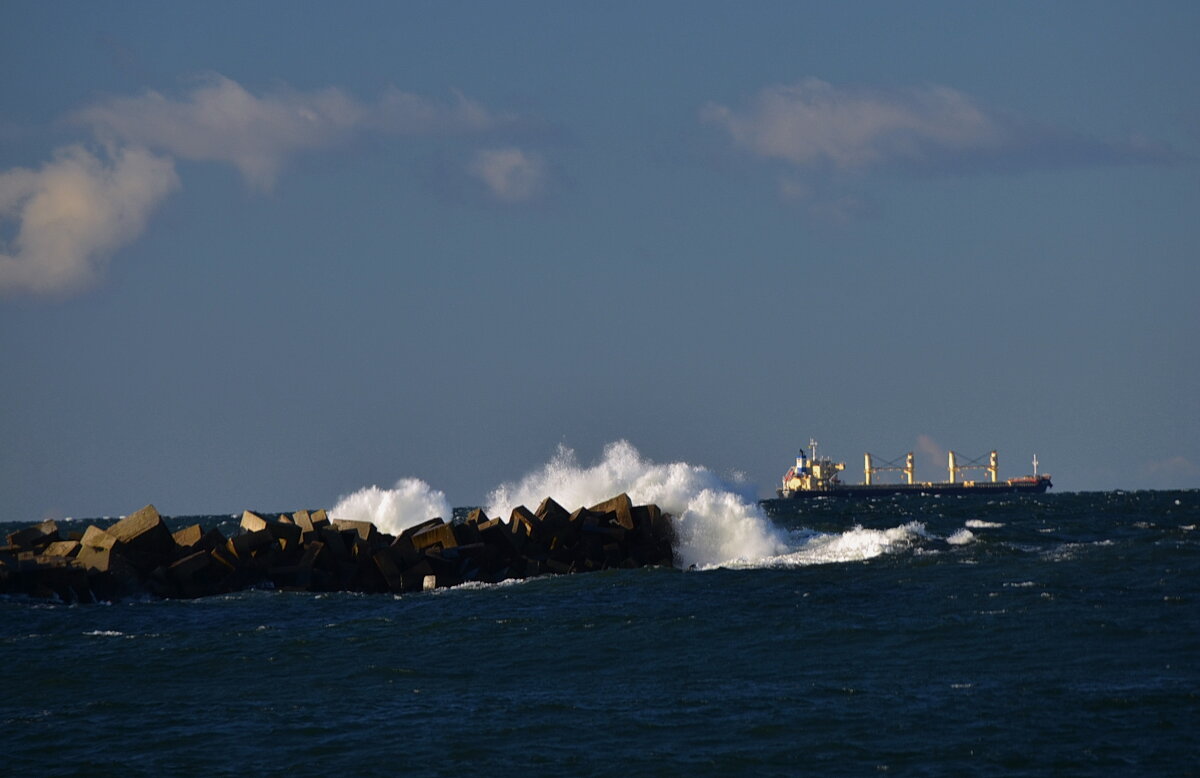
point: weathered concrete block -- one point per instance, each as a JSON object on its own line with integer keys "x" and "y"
{"x": 288, "y": 535}
{"x": 248, "y": 544}
{"x": 523, "y": 524}
{"x": 314, "y": 555}
{"x": 188, "y": 538}
{"x": 386, "y": 562}
{"x": 497, "y": 535}
{"x": 439, "y": 535}
{"x": 94, "y": 537}
{"x": 302, "y": 520}
{"x": 465, "y": 534}
{"x": 319, "y": 518}
{"x": 429, "y": 583}
{"x": 551, "y": 512}
{"x": 62, "y": 548}
{"x": 197, "y": 575}
{"x": 477, "y": 516}
{"x": 148, "y": 542}
{"x": 404, "y": 551}
{"x": 620, "y": 505}
{"x": 334, "y": 543}
{"x": 40, "y": 534}
{"x": 413, "y": 530}
{"x": 252, "y": 522}
{"x": 364, "y": 529}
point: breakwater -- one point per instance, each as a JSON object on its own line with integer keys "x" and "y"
{"x": 308, "y": 551}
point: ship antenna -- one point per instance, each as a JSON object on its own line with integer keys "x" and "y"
{"x": 813, "y": 442}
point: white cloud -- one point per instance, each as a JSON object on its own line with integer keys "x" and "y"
{"x": 222, "y": 121}
{"x": 813, "y": 123}
{"x": 817, "y": 128}
{"x": 74, "y": 212}
{"x": 510, "y": 174}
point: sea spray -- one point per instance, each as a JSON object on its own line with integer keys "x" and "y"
{"x": 856, "y": 544}
{"x": 410, "y": 502}
{"x": 715, "y": 523}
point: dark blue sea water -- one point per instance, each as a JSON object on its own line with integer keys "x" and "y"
{"x": 1037, "y": 635}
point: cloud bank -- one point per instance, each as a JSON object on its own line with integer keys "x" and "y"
{"x": 74, "y": 212}
{"x": 818, "y": 132}
{"x": 77, "y": 210}
{"x": 220, "y": 121}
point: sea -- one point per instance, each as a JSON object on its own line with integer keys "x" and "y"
{"x": 1054, "y": 634}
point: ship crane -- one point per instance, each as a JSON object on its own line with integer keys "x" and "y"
{"x": 992, "y": 467}
{"x": 893, "y": 465}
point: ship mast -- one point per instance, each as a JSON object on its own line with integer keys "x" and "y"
{"x": 1035, "y": 465}
{"x": 813, "y": 443}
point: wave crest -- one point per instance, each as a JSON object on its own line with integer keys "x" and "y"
{"x": 410, "y": 502}
{"x": 715, "y": 523}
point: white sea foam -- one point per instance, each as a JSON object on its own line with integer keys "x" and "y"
{"x": 715, "y": 523}
{"x": 854, "y": 545}
{"x": 961, "y": 537}
{"x": 411, "y": 501}
{"x": 981, "y": 524}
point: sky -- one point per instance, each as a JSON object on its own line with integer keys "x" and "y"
{"x": 262, "y": 255}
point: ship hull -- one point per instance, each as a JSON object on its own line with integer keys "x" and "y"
{"x": 1038, "y": 486}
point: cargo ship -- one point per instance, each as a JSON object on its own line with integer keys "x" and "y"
{"x": 818, "y": 477}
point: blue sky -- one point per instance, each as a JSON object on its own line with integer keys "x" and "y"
{"x": 262, "y": 255}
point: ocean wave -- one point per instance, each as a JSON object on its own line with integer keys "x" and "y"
{"x": 408, "y": 503}
{"x": 715, "y": 521}
{"x": 961, "y": 537}
{"x": 854, "y": 545}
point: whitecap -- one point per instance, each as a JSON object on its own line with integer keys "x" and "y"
{"x": 961, "y": 537}
{"x": 408, "y": 503}
{"x": 715, "y": 521}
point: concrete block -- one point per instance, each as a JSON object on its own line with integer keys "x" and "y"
{"x": 386, "y": 562}
{"x": 523, "y": 524}
{"x": 477, "y": 516}
{"x": 314, "y": 555}
{"x": 288, "y": 535}
{"x": 252, "y": 522}
{"x": 148, "y": 542}
{"x": 40, "y": 534}
{"x": 466, "y": 533}
{"x": 302, "y": 520}
{"x": 439, "y": 535}
{"x": 188, "y": 537}
{"x": 334, "y": 544}
{"x": 62, "y": 548}
{"x": 405, "y": 552}
{"x": 247, "y": 545}
{"x": 551, "y": 512}
{"x": 364, "y": 529}
{"x": 416, "y": 528}
{"x": 94, "y": 537}
{"x": 319, "y": 518}
{"x": 429, "y": 583}
{"x": 620, "y": 505}
{"x": 498, "y": 536}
